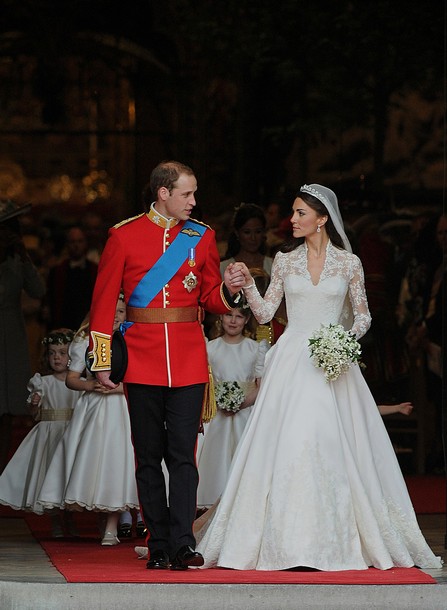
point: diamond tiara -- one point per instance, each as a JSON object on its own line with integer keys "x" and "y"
{"x": 309, "y": 189}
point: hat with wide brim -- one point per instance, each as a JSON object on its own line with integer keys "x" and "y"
{"x": 9, "y": 209}
{"x": 119, "y": 357}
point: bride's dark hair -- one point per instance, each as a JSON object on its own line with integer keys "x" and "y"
{"x": 320, "y": 210}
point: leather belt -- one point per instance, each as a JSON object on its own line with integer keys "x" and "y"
{"x": 161, "y": 315}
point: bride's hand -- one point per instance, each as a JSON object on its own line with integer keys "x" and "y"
{"x": 243, "y": 269}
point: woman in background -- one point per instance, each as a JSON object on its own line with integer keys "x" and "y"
{"x": 17, "y": 274}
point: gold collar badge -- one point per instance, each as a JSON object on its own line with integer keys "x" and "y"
{"x": 160, "y": 220}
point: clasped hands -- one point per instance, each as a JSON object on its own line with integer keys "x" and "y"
{"x": 237, "y": 276}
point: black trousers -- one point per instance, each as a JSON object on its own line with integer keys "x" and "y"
{"x": 165, "y": 423}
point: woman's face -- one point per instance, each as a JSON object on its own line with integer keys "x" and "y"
{"x": 305, "y": 220}
{"x": 233, "y": 322}
{"x": 251, "y": 235}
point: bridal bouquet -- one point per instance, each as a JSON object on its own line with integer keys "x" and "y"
{"x": 334, "y": 349}
{"x": 229, "y": 396}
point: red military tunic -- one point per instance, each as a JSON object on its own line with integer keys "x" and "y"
{"x": 168, "y": 354}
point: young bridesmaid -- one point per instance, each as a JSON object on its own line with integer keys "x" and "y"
{"x": 93, "y": 467}
{"x": 51, "y": 403}
{"x": 233, "y": 357}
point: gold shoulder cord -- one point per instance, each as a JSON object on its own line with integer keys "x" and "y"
{"x": 127, "y": 220}
{"x": 209, "y": 407}
{"x": 199, "y": 222}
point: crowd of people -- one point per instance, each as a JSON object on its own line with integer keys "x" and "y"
{"x": 238, "y": 321}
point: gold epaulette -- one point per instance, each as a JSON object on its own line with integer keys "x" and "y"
{"x": 199, "y": 222}
{"x": 101, "y": 352}
{"x": 127, "y": 220}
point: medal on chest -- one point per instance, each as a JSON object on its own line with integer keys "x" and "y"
{"x": 192, "y": 257}
{"x": 190, "y": 281}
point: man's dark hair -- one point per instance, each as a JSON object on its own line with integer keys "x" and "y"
{"x": 165, "y": 174}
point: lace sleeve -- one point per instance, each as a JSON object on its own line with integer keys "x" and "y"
{"x": 264, "y": 308}
{"x": 359, "y": 302}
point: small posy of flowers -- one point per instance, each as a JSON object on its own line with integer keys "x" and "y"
{"x": 229, "y": 396}
{"x": 334, "y": 349}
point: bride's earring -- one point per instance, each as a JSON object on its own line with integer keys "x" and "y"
{"x": 318, "y": 228}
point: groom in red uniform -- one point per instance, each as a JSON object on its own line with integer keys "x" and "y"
{"x": 168, "y": 266}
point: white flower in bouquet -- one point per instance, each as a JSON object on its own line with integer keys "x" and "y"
{"x": 229, "y": 396}
{"x": 334, "y": 350}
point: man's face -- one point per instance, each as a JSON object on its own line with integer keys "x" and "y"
{"x": 180, "y": 202}
{"x": 76, "y": 244}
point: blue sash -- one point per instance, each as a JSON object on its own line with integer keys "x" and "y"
{"x": 165, "y": 268}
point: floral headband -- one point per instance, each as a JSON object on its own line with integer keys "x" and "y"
{"x": 58, "y": 338}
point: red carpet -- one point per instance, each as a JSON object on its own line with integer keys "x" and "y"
{"x": 427, "y": 493}
{"x": 85, "y": 560}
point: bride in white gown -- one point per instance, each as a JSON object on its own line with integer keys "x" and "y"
{"x": 315, "y": 481}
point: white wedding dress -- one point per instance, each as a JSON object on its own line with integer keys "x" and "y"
{"x": 315, "y": 481}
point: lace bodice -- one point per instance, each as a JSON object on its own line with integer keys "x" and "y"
{"x": 341, "y": 288}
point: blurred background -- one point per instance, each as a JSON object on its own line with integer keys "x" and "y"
{"x": 257, "y": 96}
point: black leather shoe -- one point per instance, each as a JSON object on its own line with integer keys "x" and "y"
{"x": 186, "y": 556}
{"x": 125, "y": 530}
{"x": 141, "y": 529}
{"x": 159, "y": 560}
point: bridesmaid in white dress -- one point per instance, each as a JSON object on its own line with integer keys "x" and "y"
{"x": 93, "y": 466}
{"x": 232, "y": 357}
{"x": 51, "y": 403}
{"x": 315, "y": 481}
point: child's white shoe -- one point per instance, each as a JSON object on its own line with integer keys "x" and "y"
{"x": 109, "y": 539}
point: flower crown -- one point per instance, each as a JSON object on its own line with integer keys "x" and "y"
{"x": 58, "y": 338}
